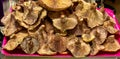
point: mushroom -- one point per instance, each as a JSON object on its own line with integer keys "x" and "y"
{"x": 111, "y": 44}
{"x": 77, "y": 47}
{"x": 87, "y": 10}
{"x": 94, "y": 16}
{"x": 88, "y": 37}
{"x": 15, "y": 40}
{"x": 48, "y": 26}
{"x": 10, "y": 25}
{"x": 53, "y": 5}
{"x": 82, "y": 9}
{"x": 58, "y": 43}
{"x": 30, "y": 45}
{"x": 64, "y": 23}
{"x": 95, "y": 48}
{"x": 43, "y": 38}
{"x": 81, "y": 28}
{"x": 100, "y": 34}
{"x": 109, "y": 25}
{"x": 31, "y": 17}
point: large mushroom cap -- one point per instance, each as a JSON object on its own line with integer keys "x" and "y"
{"x": 15, "y": 40}
{"x": 77, "y": 47}
{"x": 55, "y": 5}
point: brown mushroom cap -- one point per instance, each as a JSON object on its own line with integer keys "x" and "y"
{"x": 15, "y": 40}
{"x": 31, "y": 16}
{"x": 77, "y": 47}
{"x": 30, "y": 45}
{"x": 88, "y": 37}
{"x": 11, "y": 26}
{"x": 111, "y": 44}
{"x": 53, "y": 5}
{"x": 64, "y": 24}
{"x": 109, "y": 25}
{"x": 44, "y": 39}
{"x": 87, "y": 10}
{"x": 100, "y": 34}
{"x": 58, "y": 43}
{"x": 95, "y": 48}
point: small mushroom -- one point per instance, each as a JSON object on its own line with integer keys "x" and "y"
{"x": 100, "y": 34}
{"x": 111, "y": 44}
{"x": 64, "y": 23}
{"x": 81, "y": 28}
{"x": 15, "y": 40}
{"x": 30, "y": 45}
{"x": 82, "y": 9}
{"x": 77, "y": 47}
{"x": 45, "y": 50}
{"x": 53, "y": 5}
{"x": 48, "y": 26}
{"x": 10, "y": 25}
{"x": 109, "y": 25}
{"x": 88, "y": 37}
{"x": 95, "y": 48}
{"x": 58, "y": 43}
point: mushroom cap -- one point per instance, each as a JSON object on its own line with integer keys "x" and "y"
{"x": 30, "y": 45}
{"x": 32, "y": 15}
{"x": 95, "y": 48}
{"x": 45, "y": 50}
{"x": 100, "y": 34}
{"x": 53, "y": 5}
{"x": 15, "y": 40}
{"x": 111, "y": 44}
{"x": 77, "y": 47}
{"x": 87, "y": 10}
{"x": 109, "y": 25}
{"x": 65, "y": 24}
{"x": 58, "y": 43}
{"x": 88, "y": 37}
{"x": 10, "y": 25}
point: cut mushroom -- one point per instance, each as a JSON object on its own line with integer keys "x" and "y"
{"x": 15, "y": 40}
{"x": 30, "y": 45}
{"x": 64, "y": 24}
{"x": 95, "y": 48}
{"x": 100, "y": 34}
{"x": 88, "y": 37}
{"x": 53, "y": 5}
{"x": 11, "y": 26}
{"x": 58, "y": 43}
{"x": 77, "y": 47}
{"x": 111, "y": 44}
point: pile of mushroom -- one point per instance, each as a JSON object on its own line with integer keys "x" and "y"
{"x": 50, "y": 27}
